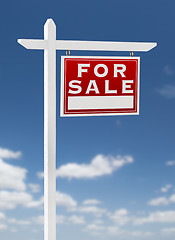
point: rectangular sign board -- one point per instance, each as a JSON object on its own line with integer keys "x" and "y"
{"x": 99, "y": 86}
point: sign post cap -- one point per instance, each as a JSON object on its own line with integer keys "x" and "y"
{"x": 49, "y": 22}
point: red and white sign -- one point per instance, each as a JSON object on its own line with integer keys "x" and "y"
{"x": 98, "y": 86}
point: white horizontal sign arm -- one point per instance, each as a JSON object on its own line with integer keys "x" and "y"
{"x": 89, "y": 45}
{"x": 33, "y": 44}
{"x": 104, "y": 46}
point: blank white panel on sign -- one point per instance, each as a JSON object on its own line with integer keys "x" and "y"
{"x": 100, "y": 102}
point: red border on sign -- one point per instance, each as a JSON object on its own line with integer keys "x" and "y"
{"x": 99, "y": 112}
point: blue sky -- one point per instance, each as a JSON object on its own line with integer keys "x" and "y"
{"x": 134, "y": 200}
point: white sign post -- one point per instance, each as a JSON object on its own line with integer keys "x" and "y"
{"x": 50, "y": 45}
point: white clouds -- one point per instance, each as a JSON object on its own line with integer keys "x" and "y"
{"x": 62, "y": 199}
{"x": 77, "y": 219}
{"x": 102, "y": 222}
{"x": 2, "y": 216}
{"x": 19, "y": 222}
{"x": 3, "y": 227}
{"x": 12, "y": 177}
{"x": 10, "y": 200}
{"x": 159, "y": 201}
{"x": 99, "y": 166}
{"x": 73, "y": 219}
{"x": 156, "y": 217}
{"x": 141, "y": 234}
{"x": 114, "y": 230}
{"x": 166, "y": 188}
{"x": 120, "y": 217}
{"x": 162, "y": 201}
{"x": 98, "y": 212}
{"x": 167, "y": 91}
{"x": 102, "y": 230}
{"x": 8, "y": 154}
{"x": 61, "y": 219}
{"x": 168, "y": 70}
{"x": 35, "y": 203}
{"x": 65, "y": 200}
{"x": 39, "y": 220}
{"x": 172, "y": 198}
{"x": 168, "y": 231}
{"x": 91, "y": 202}
{"x": 95, "y": 227}
{"x": 118, "y": 122}
{"x": 14, "y": 230}
{"x": 170, "y": 163}
{"x": 40, "y": 174}
{"x": 35, "y": 188}
{"x": 98, "y": 221}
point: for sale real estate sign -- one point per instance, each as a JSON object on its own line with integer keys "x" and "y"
{"x": 98, "y": 86}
